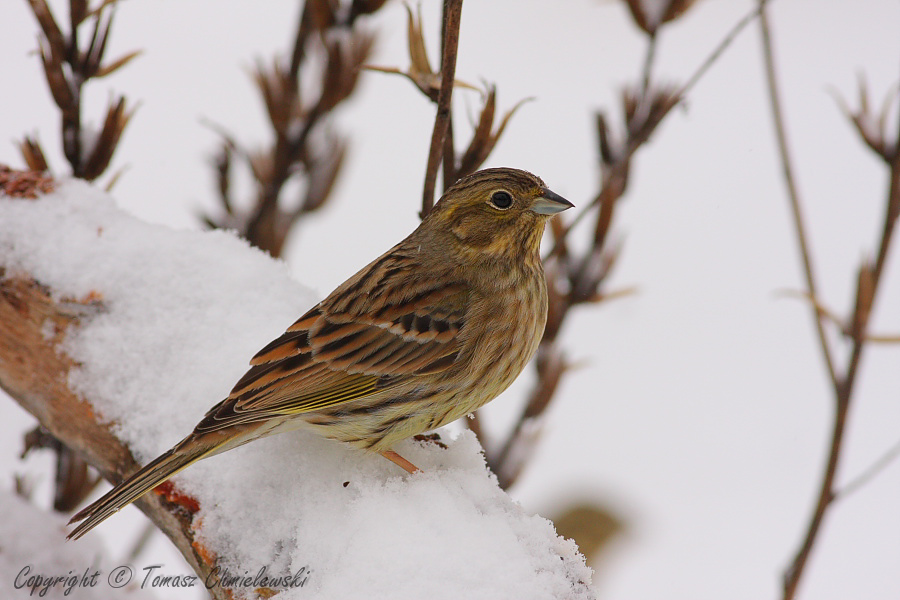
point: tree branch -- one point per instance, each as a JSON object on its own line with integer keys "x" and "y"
{"x": 34, "y": 373}
{"x": 452, "y": 16}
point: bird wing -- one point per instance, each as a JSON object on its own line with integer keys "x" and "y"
{"x": 374, "y": 332}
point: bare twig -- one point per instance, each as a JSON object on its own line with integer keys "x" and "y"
{"x": 793, "y": 193}
{"x": 681, "y": 94}
{"x": 867, "y": 286}
{"x": 869, "y": 473}
{"x": 848, "y": 330}
{"x": 575, "y": 279}
{"x": 304, "y": 147}
{"x": 68, "y": 67}
{"x": 649, "y": 59}
{"x": 793, "y": 574}
{"x": 443, "y": 148}
{"x": 451, "y": 20}
{"x": 73, "y": 480}
{"x": 720, "y": 49}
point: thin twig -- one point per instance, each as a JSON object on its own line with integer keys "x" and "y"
{"x": 71, "y": 64}
{"x": 586, "y": 273}
{"x": 869, "y": 473}
{"x": 794, "y": 572}
{"x": 723, "y": 45}
{"x": 649, "y": 59}
{"x": 890, "y": 218}
{"x": 452, "y": 15}
{"x": 682, "y": 93}
{"x": 140, "y": 544}
{"x": 296, "y": 116}
{"x": 449, "y": 153}
{"x": 790, "y": 182}
{"x": 843, "y": 386}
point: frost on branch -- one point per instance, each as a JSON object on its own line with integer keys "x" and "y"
{"x": 150, "y": 327}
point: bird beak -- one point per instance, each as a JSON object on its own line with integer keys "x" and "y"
{"x": 549, "y": 203}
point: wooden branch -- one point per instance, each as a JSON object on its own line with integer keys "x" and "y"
{"x": 34, "y": 373}
{"x": 452, "y": 15}
{"x": 40, "y": 314}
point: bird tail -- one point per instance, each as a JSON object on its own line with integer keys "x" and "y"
{"x": 137, "y": 485}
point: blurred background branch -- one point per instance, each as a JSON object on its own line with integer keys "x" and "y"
{"x": 295, "y": 176}
{"x": 577, "y": 277}
{"x": 574, "y": 278}
{"x": 441, "y": 137}
{"x": 306, "y": 149}
{"x": 68, "y": 66}
{"x": 69, "y": 63}
{"x": 873, "y": 133}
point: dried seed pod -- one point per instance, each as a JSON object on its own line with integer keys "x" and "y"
{"x": 650, "y": 16}
{"x": 116, "y": 64}
{"x": 865, "y": 295}
{"x": 105, "y": 145}
{"x": 60, "y": 86}
{"x": 33, "y": 154}
{"x": 364, "y": 7}
{"x": 322, "y": 173}
{"x": 483, "y": 139}
{"x": 872, "y": 129}
{"x": 54, "y": 37}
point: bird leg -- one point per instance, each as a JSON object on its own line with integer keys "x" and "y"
{"x": 400, "y": 461}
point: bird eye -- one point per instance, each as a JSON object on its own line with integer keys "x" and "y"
{"x": 501, "y": 200}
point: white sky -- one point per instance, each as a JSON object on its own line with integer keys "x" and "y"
{"x": 702, "y": 411}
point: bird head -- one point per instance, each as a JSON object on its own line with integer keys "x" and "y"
{"x": 497, "y": 212}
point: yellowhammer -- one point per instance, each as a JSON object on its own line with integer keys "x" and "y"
{"x": 433, "y": 329}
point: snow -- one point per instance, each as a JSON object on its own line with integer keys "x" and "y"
{"x": 181, "y": 314}
{"x": 35, "y": 560}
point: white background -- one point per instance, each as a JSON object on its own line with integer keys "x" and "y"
{"x": 702, "y": 412}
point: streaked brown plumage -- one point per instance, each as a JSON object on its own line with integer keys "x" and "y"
{"x": 433, "y": 329}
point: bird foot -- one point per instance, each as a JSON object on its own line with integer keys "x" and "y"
{"x": 400, "y": 461}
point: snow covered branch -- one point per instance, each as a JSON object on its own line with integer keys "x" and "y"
{"x": 33, "y": 325}
{"x": 118, "y": 335}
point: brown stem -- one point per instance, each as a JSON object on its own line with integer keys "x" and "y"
{"x": 449, "y": 149}
{"x": 612, "y": 190}
{"x": 71, "y": 133}
{"x": 869, "y": 473}
{"x": 507, "y": 462}
{"x": 267, "y": 225}
{"x": 793, "y": 574}
{"x": 793, "y": 193}
{"x": 843, "y": 386}
{"x": 261, "y": 225}
{"x": 845, "y": 389}
{"x": 723, "y": 45}
{"x": 891, "y": 214}
{"x": 826, "y": 494}
{"x": 66, "y": 87}
{"x": 298, "y": 51}
{"x": 452, "y": 15}
{"x": 649, "y": 58}
{"x": 449, "y": 162}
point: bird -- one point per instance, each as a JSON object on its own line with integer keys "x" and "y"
{"x": 430, "y": 331}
